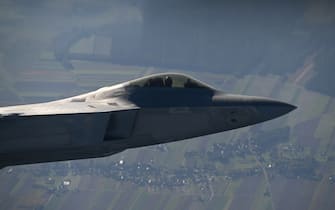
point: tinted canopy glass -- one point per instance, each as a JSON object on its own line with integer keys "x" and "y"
{"x": 168, "y": 81}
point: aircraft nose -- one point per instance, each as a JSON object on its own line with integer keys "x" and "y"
{"x": 269, "y": 109}
{"x": 263, "y": 108}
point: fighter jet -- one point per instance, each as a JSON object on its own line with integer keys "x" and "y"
{"x": 151, "y": 110}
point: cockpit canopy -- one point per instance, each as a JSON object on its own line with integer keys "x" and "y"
{"x": 168, "y": 81}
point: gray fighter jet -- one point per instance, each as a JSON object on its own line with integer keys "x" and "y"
{"x": 155, "y": 109}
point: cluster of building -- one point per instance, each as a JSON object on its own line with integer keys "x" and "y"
{"x": 198, "y": 167}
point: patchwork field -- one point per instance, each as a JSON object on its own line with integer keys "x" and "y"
{"x": 181, "y": 175}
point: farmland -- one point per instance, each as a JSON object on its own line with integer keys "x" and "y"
{"x": 216, "y": 171}
{"x": 51, "y": 50}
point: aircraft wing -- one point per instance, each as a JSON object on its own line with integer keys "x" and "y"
{"x": 61, "y": 108}
{"x": 60, "y": 130}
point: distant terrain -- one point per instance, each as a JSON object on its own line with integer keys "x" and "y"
{"x": 51, "y": 50}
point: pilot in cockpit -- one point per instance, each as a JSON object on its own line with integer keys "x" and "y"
{"x": 168, "y": 81}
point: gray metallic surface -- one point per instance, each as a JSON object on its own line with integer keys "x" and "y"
{"x": 142, "y": 112}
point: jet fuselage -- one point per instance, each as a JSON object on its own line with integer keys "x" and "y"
{"x": 152, "y": 110}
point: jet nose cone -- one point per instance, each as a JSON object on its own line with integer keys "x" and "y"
{"x": 268, "y": 109}
{"x": 286, "y": 107}
{"x": 263, "y": 108}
